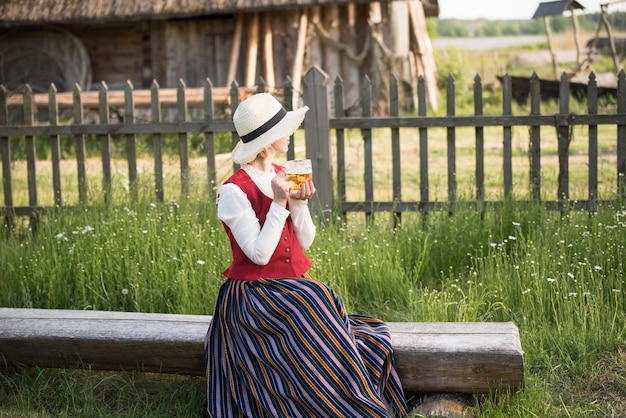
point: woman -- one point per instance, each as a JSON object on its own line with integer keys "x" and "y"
{"x": 280, "y": 343}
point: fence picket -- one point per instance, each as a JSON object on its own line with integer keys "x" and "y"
{"x": 535, "y": 139}
{"x": 5, "y": 148}
{"x": 31, "y": 150}
{"x": 396, "y": 161}
{"x": 288, "y": 105}
{"x": 341, "y": 144}
{"x": 317, "y": 139}
{"x": 105, "y": 142}
{"x": 366, "y": 133}
{"x": 621, "y": 135}
{"x": 209, "y": 138}
{"x": 423, "y": 133}
{"x": 183, "y": 139}
{"x": 157, "y": 142}
{"x": 451, "y": 140}
{"x": 592, "y": 109}
{"x": 234, "y": 103}
{"x": 507, "y": 136}
{"x": 131, "y": 139}
{"x": 79, "y": 144}
{"x": 480, "y": 140}
{"x": 55, "y": 147}
{"x": 564, "y": 138}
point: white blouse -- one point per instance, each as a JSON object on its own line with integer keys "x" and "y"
{"x": 235, "y": 210}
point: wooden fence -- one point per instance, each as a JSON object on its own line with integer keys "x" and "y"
{"x": 319, "y": 125}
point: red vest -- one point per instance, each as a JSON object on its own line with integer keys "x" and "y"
{"x": 288, "y": 259}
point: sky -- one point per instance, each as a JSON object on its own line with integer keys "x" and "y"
{"x": 509, "y": 9}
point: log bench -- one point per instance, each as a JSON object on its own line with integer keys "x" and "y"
{"x": 466, "y": 358}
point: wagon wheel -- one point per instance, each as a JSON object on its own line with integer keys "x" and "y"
{"x": 39, "y": 57}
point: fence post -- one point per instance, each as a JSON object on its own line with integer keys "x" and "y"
{"x": 317, "y": 134}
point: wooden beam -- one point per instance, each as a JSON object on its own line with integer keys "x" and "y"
{"x": 142, "y": 98}
{"x": 234, "y": 58}
{"x": 298, "y": 64}
{"x": 253, "y": 50}
{"x": 423, "y": 51}
{"x": 268, "y": 51}
{"x": 469, "y": 358}
{"x": 546, "y": 22}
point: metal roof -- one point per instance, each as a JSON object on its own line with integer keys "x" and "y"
{"x": 556, "y": 8}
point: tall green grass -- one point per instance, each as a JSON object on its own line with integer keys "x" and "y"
{"x": 558, "y": 276}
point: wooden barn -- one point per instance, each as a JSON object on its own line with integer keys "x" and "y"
{"x": 86, "y": 42}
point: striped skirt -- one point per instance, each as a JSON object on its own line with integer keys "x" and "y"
{"x": 287, "y": 348}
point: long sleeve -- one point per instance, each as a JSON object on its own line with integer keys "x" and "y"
{"x": 234, "y": 209}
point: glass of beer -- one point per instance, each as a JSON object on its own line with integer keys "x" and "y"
{"x": 298, "y": 172}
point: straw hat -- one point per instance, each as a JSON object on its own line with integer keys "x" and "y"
{"x": 260, "y": 121}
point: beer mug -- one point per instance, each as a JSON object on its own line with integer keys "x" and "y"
{"x": 298, "y": 172}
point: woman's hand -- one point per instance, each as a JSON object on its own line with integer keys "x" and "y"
{"x": 281, "y": 188}
{"x": 307, "y": 190}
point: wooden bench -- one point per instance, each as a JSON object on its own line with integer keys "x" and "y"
{"x": 467, "y": 358}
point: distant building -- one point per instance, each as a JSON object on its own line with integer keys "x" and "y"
{"x": 68, "y": 42}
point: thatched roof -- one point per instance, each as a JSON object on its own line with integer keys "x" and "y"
{"x": 28, "y": 12}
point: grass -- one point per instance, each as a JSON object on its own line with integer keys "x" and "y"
{"x": 559, "y": 277}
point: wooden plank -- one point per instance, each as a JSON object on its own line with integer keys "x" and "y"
{"x": 195, "y": 97}
{"x": 473, "y": 357}
{"x": 298, "y": 62}
{"x": 236, "y": 50}
{"x": 268, "y": 50}
{"x": 423, "y": 50}
{"x": 252, "y": 50}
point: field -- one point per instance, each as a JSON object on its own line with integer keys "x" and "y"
{"x": 558, "y": 276}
